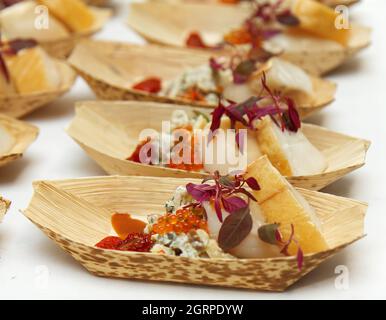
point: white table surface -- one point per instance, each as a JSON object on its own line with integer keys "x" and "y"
{"x": 31, "y": 266}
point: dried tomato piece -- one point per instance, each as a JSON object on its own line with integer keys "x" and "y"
{"x": 151, "y": 85}
{"x": 138, "y": 242}
{"x": 110, "y": 243}
{"x": 194, "y": 40}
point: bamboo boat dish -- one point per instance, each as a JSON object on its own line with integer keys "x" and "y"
{"x": 98, "y": 3}
{"x": 77, "y": 215}
{"x": 331, "y": 3}
{"x": 30, "y": 78}
{"x": 304, "y": 33}
{"x": 15, "y": 137}
{"x": 115, "y": 71}
{"x": 109, "y": 133}
{"x": 4, "y": 205}
{"x": 69, "y": 22}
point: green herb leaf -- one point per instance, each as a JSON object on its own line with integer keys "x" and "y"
{"x": 267, "y": 233}
{"x": 226, "y": 181}
{"x": 204, "y": 115}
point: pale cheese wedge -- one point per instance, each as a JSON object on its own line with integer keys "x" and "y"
{"x": 281, "y": 203}
{"x": 6, "y": 87}
{"x": 289, "y": 152}
{"x": 4, "y": 205}
{"x": 7, "y": 141}
{"x": 33, "y": 70}
{"x": 75, "y": 14}
{"x": 26, "y": 20}
{"x": 321, "y": 20}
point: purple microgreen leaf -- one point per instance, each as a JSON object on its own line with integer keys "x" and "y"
{"x": 217, "y": 207}
{"x": 233, "y": 203}
{"x": 215, "y": 65}
{"x": 8, "y": 3}
{"x": 240, "y": 140}
{"x": 201, "y": 192}
{"x": 20, "y": 44}
{"x": 216, "y": 120}
{"x": 243, "y": 71}
{"x": 247, "y": 193}
{"x": 288, "y": 19}
{"x": 278, "y": 236}
{"x": 4, "y": 69}
{"x": 300, "y": 258}
{"x": 293, "y": 115}
{"x": 235, "y": 229}
{"x": 270, "y": 33}
{"x": 252, "y": 183}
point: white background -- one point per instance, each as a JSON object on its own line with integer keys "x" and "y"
{"x": 31, "y": 266}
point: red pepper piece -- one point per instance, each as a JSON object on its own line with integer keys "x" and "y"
{"x": 151, "y": 85}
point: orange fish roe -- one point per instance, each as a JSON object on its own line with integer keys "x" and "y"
{"x": 238, "y": 36}
{"x": 183, "y": 221}
{"x": 193, "y": 94}
{"x": 192, "y": 166}
{"x": 135, "y": 155}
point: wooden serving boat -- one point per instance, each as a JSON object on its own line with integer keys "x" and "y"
{"x": 109, "y": 133}
{"x": 76, "y": 215}
{"x": 331, "y": 3}
{"x": 23, "y": 135}
{"x": 19, "y": 105}
{"x": 4, "y": 205}
{"x": 111, "y": 69}
{"x": 61, "y": 48}
{"x": 170, "y": 23}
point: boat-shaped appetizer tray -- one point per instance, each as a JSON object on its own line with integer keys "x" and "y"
{"x": 4, "y": 205}
{"x": 22, "y": 135}
{"x": 19, "y": 105}
{"x": 171, "y": 23}
{"x": 61, "y": 48}
{"x": 331, "y": 3}
{"x": 75, "y": 214}
{"x": 109, "y": 133}
{"x": 97, "y": 2}
{"x": 111, "y": 69}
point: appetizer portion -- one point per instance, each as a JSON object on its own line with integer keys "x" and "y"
{"x": 4, "y": 205}
{"x": 331, "y": 3}
{"x": 265, "y": 125}
{"x": 19, "y": 20}
{"x": 15, "y": 137}
{"x": 235, "y": 79}
{"x": 112, "y": 132}
{"x": 227, "y": 217}
{"x": 118, "y": 71}
{"x": 26, "y": 68}
{"x": 55, "y": 24}
{"x": 305, "y": 32}
{"x": 279, "y": 22}
{"x": 295, "y": 229}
